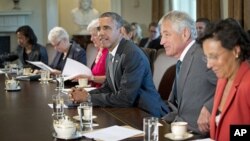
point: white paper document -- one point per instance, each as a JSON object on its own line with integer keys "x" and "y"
{"x": 40, "y": 65}
{"x": 73, "y": 68}
{"x": 113, "y": 133}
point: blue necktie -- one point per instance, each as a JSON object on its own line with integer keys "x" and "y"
{"x": 178, "y": 66}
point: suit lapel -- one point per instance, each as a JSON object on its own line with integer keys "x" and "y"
{"x": 240, "y": 74}
{"x": 111, "y": 72}
{"x": 185, "y": 67}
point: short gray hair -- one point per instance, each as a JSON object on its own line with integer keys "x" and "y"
{"x": 58, "y": 33}
{"x": 180, "y": 20}
{"x": 92, "y": 26}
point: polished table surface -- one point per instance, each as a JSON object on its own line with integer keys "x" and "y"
{"x": 26, "y": 116}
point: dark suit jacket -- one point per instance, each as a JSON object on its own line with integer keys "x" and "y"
{"x": 75, "y": 52}
{"x": 195, "y": 89}
{"x": 155, "y": 44}
{"x": 38, "y": 53}
{"x": 133, "y": 84}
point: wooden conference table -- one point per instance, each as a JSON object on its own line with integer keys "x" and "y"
{"x": 26, "y": 116}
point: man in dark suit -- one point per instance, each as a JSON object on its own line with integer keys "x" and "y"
{"x": 192, "y": 94}
{"x": 128, "y": 77}
{"x": 153, "y": 40}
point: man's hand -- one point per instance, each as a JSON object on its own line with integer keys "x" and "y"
{"x": 78, "y": 95}
{"x": 204, "y": 120}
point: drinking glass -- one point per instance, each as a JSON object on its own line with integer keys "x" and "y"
{"x": 7, "y": 66}
{"x": 150, "y": 128}
{"x": 85, "y": 115}
{"x": 45, "y": 76}
{"x": 60, "y": 82}
{"x": 58, "y": 103}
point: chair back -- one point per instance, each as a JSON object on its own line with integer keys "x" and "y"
{"x": 161, "y": 64}
{"x": 166, "y": 83}
{"x": 151, "y": 54}
{"x": 91, "y": 52}
{"x": 51, "y": 52}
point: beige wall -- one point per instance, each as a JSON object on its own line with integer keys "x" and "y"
{"x": 131, "y": 10}
{"x": 65, "y": 7}
{"x": 137, "y": 11}
{"x": 36, "y": 20}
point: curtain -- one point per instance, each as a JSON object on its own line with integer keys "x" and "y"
{"x": 239, "y": 10}
{"x": 157, "y": 10}
{"x": 209, "y": 9}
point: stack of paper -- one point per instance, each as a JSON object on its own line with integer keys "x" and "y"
{"x": 73, "y": 68}
{"x": 40, "y": 65}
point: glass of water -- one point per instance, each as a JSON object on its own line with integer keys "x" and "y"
{"x": 150, "y": 128}
{"x": 45, "y": 76}
{"x": 60, "y": 82}
{"x": 85, "y": 115}
{"x": 58, "y": 103}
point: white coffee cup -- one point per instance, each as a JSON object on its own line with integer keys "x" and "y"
{"x": 83, "y": 82}
{"x": 179, "y": 129}
{"x": 27, "y": 71}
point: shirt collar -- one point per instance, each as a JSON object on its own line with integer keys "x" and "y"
{"x": 113, "y": 52}
{"x": 186, "y": 50}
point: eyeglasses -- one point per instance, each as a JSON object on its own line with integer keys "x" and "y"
{"x": 55, "y": 45}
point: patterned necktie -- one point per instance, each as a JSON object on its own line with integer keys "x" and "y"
{"x": 111, "y": 70}
{"x": 111, "y": 64}
{"x": 178, "y": 66}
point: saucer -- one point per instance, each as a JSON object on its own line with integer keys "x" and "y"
{"x": 78, "y": 118}
{"x": 16, "y": 89}
{"x": 76, "y": 136}
{"x": 78, "y": 86}
{"x": 172, "y": 137}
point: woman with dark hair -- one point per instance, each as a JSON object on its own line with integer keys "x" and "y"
{"x": 227, "y": 49}
{"x": 28, "y": 48}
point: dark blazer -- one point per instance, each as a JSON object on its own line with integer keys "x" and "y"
{"x": 143, "y": 42}
{"x": 75, "y": 52}
{"x": 132, "y": 84}
{"x": 154, "y": 44}
{"x": 195, "y": 89}
{"x": 38, "y": 53}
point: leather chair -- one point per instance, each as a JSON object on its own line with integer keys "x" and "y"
{"x": 51, "y": 52}
{"x": 91, "y": 52}
{"x": 166, "y": 83}
{"x": 161, "y": 64}
{"x": 151, "y": 54}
